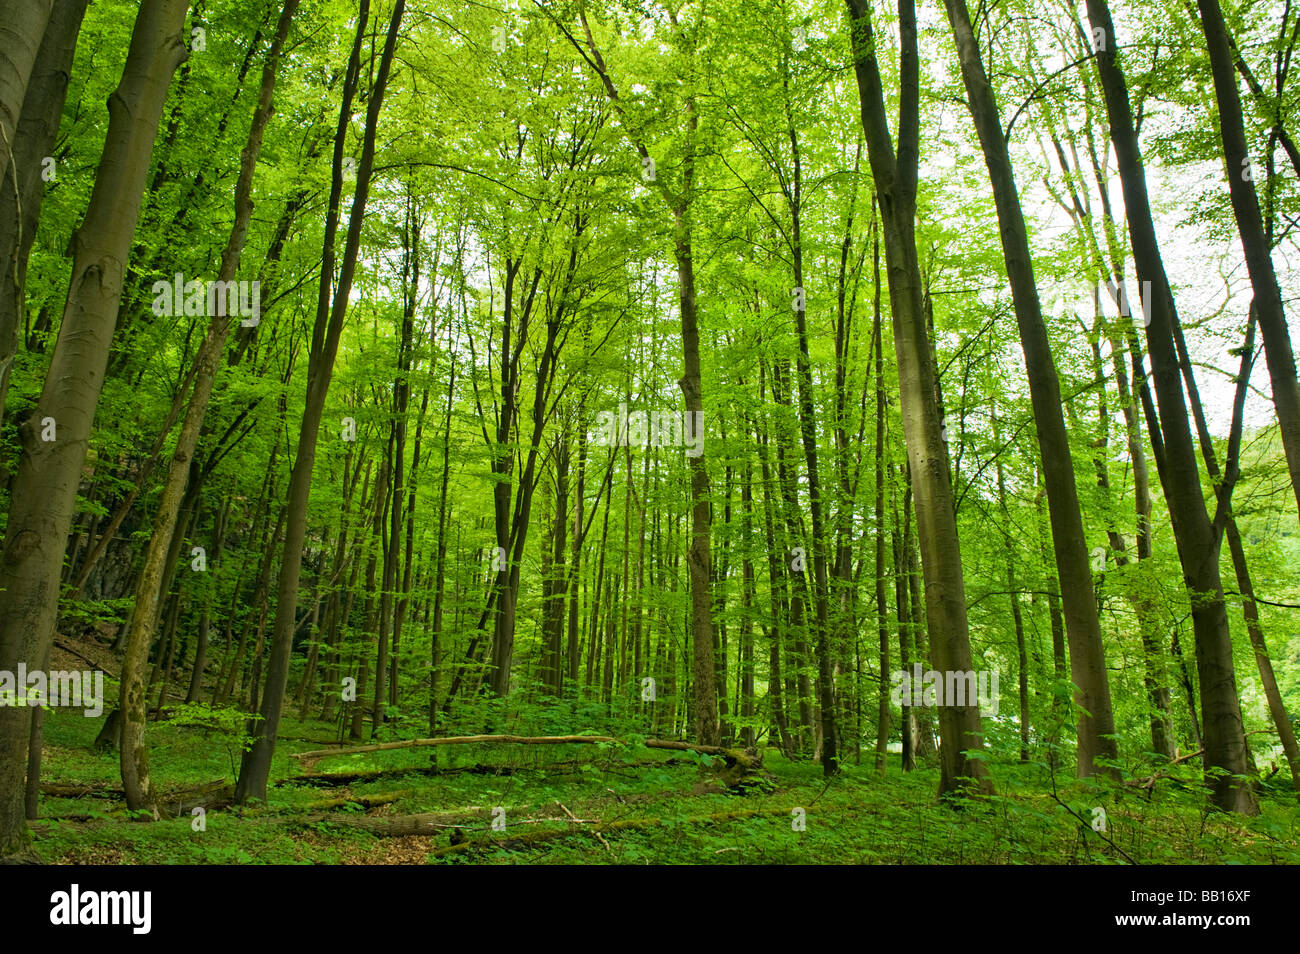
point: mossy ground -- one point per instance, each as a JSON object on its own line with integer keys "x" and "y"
{"x": 637, "y": 806}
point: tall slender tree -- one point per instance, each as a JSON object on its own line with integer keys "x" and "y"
{"x": 895, "y": 175}
{"x": 1096, "y": 724}
{"x": 255, "y": 767}
{"x": 1198, "y": 546}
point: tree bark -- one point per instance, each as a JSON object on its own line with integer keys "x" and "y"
{"x": 895, "y": 178}
{"x": 24, "y": 23}
{"x": 255, "y": 767}
{"x": 1254, "y": 241}
{"x": 22, "y": 187}
{"x": 134, "y": 755}
{"x": 44, "y": 490}
{"x": 1198, "y": 549}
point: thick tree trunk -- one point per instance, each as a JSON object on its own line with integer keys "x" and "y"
{"x": 1198, "y": 548}
{"x": 44, "y": 490}
{"x": 23, "y": 184}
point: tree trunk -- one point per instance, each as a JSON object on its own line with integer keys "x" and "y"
{"x": 1095, "y": 723}
{"x": 44, "y": 490}
{"x": 945, "y": 595}
{"x": 698, "y": 557}
{"x": 25, "y": 23}
{"x": 1254, "y": 241}
{"x": 38, "y": 127}
{"x": 255, "y": 767}
{"x": 882, "y": 610}
{"x": 134, "y": 758}
{"x": 1198, "y": 548}
{"x": 440, "y": 581}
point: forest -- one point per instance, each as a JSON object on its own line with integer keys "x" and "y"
{"x": 649, "y": 432}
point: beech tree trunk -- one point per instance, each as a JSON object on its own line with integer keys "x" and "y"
{"x": 1254, "y": 241}
{"x": 1094, "y": 720}
{"x": 1226, "y": 761}
{"x": 945, "y": 592}
{"x": 49, "y": 470}
{"x": 255, "y": 767}
{"x": 22, "y": 27}
{"x": 22, "y": 187}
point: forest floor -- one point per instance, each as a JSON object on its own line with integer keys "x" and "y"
{"x": 610, "y": 803}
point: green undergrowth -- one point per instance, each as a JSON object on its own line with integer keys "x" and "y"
{"x": 634, "y": 806}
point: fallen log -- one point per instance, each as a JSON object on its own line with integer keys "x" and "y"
{"x": 361, "y": 801}
{"x": 527, "y": 839}
{"x": 311, "y": 757}
{"x": 114, "y": 790}
{"x": 744, "y": 762}
{"x": 1149, "y": 782}
{"x": 740, "y": 763}
{"x": 334, "y": 779}
{"x": 57, "y": 790}
{"x": 392, "y": 826}
{"x": 211, "y": 796}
